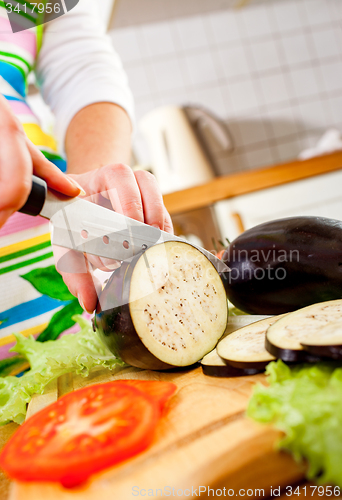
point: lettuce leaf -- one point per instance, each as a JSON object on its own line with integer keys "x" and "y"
{"x": 77, "y": 353}
{"x": 48, "y": 281}
{"x": 305, "y": 402}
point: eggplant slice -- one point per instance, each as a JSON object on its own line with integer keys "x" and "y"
{"x": 213, "y": 364}
{"x": 245, "y": 348}
{"x": 328, "y": 343}
{"x": 309, "y": 334}
{"x": 166, "y": 308}
{"x": 237, "y": 322}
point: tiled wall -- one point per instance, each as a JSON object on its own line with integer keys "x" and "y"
{"x": 271, "y": 70}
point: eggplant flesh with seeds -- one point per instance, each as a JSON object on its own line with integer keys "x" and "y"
{"x": 245, "y": 348}
{"x": 309, "y": 328}
{"x": 286, "y": 264}
{"x": 165, "y": 308}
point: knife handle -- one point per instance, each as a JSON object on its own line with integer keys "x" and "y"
{"x": 36, "y": 199}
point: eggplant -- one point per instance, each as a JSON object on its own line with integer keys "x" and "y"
{"x": 214, "y": 366}
{"x": 306, "y": 335}
{"x": 165, "y": 308}
{"x": 327, "y": 343}
{"x": 326, "y": 340}
{"x": 241, "y": 320}
{"x": 245, "y": 348}
{"x": 284, "y": 265}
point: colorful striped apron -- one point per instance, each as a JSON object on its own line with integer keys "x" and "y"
{"x": 24, "y": 241}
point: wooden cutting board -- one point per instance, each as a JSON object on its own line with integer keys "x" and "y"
{"x": 204, "y": 439}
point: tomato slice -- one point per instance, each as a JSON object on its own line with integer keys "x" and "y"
{"x": 82, "y": 433}
{"x": 159, "y": 391}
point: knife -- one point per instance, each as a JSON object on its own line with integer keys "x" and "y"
{"x": 81, "y": 225}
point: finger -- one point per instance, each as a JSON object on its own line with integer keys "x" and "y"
{"x": 4, "y": 215}
{"x": 104, "y": 264}
{"x": 117, "y": 182}
{"x": 78, "y": 276}
{"x": 151, "y": 198}
{"x": 15, "y": 163}
{"x": 71, "y": 261}
{"x": 51, "y": 174}
{"x": 85, "y": 287}
{"x": 168, "y": 225}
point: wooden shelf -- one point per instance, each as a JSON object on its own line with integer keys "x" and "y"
{"x": 222, "y": 188}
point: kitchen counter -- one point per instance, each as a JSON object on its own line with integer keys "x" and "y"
{"x": 229, "y": 186}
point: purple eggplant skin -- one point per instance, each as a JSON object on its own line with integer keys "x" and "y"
{"x": 257, "y": 366}
{"x": 285, "y": 264}
{"x": 325, "y": 351}
{"x": 291, "y": 355}
{"x": 227, "y": 371}
{"x": 114, "y": 324}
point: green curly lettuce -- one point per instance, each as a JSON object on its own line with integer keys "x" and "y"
{"x": 305, "y": 402}
{"x": 77, "y": 353}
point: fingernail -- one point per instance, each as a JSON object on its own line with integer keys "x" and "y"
{"x": 156, "y": 226}
{"x": 75, "y": 183}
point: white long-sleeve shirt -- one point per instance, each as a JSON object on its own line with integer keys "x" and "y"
{"x": 78, "y": 66}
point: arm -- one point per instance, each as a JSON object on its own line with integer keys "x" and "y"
{"x": 97, "y": 147}
{"x": 97, "y": 138}
{"x": 78, "y": 67}
{"x": 99, "y": 134}
{"x": 83, "y": 82}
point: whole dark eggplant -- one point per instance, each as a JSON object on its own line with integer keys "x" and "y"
{"x": 285, "y": 264}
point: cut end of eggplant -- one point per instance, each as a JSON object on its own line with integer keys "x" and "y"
{"x": 313, "y": 328}
{"x": 186, "y": 312}
{"x": 173, "y": 311}
{"x": 245, "y": 348}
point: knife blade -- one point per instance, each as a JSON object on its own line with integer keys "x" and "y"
{"x": 81, "y": 225}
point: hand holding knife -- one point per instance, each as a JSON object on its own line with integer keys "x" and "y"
{"x": 81, "y": 225}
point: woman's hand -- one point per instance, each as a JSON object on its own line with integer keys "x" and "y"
{"x": 116, "y": 187}
{"x": 136, "y": 195}
{"x": 19, "y": 159}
